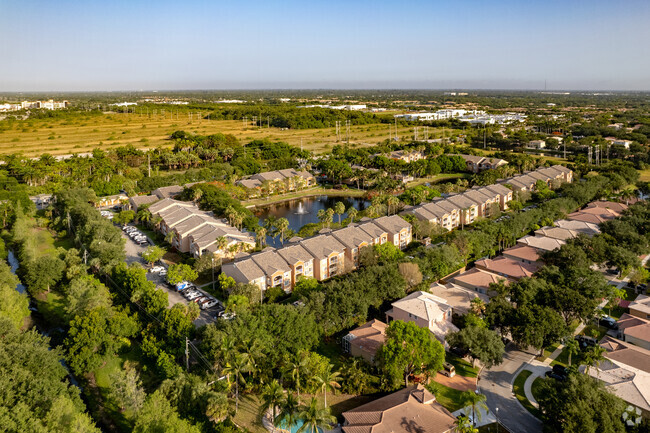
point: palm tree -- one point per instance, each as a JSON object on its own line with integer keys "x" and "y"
{"x": 392, "y": 201}
{"x": 260, "y": 235}
{"x": 477, "y": 306}
{"x": 289, "y": 411}
{"x": 282, "y": 224}
{"x": 594, "y": 356}
{"x": 239, "y": 365}
{"x": 627, "y": 194}
{"x": 272, "y": 395}
{"x": 339, "y": 209}
{"x": 475, "y": 402}
{"x": 196, "y": 195}
{"x": 572, "y": 348}
{"x": 295, "y": 367}
{"x": 314, "y": 418}
{"x": 222, "y": 243}
{"x": 328, "y": 379}
{"x": 144, "y": 215}
{"x": 352, "y": 213}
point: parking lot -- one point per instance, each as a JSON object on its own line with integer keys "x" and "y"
{"x": 133, "y": 255}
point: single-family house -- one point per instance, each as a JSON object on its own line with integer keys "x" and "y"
{"x": 507, "y": 267}
{"x": 640, "y": 307}
{"x": 541, "y": 243}
{"x": 410, "y": 410}
{"x": 459, "y": 298}
{"x": 635, "y": 330}
{"x": 556, "y": 233}
{"x": 365, "y": 340}
{"x": 536, "y": 144}
{"x": 479, "y": 281}
{"x": 580, "y": 227}
{"x": 112, "y": 200}
{"x": 523, "y": 253}
{"x": 425, "y": 310}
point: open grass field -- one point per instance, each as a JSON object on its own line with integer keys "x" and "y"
{"x": 83, "y": 132}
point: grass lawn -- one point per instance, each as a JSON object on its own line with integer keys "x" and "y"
{"x": 451, "y": 399}
{"x": 463, "y": 368}
{"x": 537, "y": 383}
{"x": 548, "y": 351}
{"x": 645, "y": 175}
{"x": 518, "y": 389}
{"x": 589, "y": 330}
{"x": 438, "y": 178}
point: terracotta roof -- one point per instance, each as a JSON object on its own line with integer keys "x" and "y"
{"x": 617, "y": 207}
{"x": 524, "y": 252}
{"x": 369, "y": 336}
{"x": 508, "y": 267}
{"x": 634, "y": 327}
{"x": 627, "y": 353}
{"x": 410, "y": 410}
{"x": 478, "y": 278}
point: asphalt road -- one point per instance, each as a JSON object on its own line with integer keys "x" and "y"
{"x": 496, "y": 384}
{"x": 133, "y": 252}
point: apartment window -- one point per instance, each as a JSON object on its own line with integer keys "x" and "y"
{"x": 298, "y": 269}
{"x": 277, "y": 280}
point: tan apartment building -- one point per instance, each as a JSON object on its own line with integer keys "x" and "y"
{"x": 328, "y": 254}
{"x": 399, "y": 231}
{"x": 300, "y": 261}
{"x": 354, "y": 239}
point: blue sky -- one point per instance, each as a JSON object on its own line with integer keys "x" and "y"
{"x": 192, "y": 44}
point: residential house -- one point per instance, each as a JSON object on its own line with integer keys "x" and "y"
{"x": 42, "y": 200}
{"x": 640, "y": 307}
{"x": 556, "y": 233}
{"x": 611, "y": 205}
{"x": 245, "y": 271}
{"x": 425, "y": 310}
{"x": 459, "y": 298}
{"x": 167, "y": 191}
{"x": 476, "y": 163}
{"x": 275, "y": 268}
{"x": 619, "y": 142}
{"x": 536, "y": 144}
{"x": 634, "y": 330}
{"x": 138, "y": 201}
{"x": 507, "y": 267}
{"x": 112, "y": 200}
{"x": 365, "y": 340}
{"x": 594, "y": 215}
{"x": 479, "y": 281}
{"x": 581, "y": 227}
{"x": 541, "y": 243}
{"x": 353, "y": 238}
{"x": 406, "y": 155}
{"x": 502, "y": 192}
{"x": 523, "y": 253}
{"x": 626, "y": 373}
{"x": 299, "y": 260}
{"x": 399, "y": 231}
{"x": 410, "y": 410}
{"x": 469, "y": 210}
{"x": 328, "y": 254}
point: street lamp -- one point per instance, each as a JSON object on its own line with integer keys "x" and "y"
{"x": 498, "y": 425}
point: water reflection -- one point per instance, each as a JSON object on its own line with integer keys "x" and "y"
{"x": 305, "y": 211}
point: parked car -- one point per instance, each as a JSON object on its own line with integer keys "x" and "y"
{"x": 156, "y": 269}
{"x": 211, "y": 303}
{"x": 612, "y": 271}
{"x": 459, "y": 351}
{"x": 448, "y": 370}
{"x": 228, "y": 316}
{"x": 200, "y": 299}
{"x": 585, "y": 342}
{"x": 192, "y": 294}
{"x": 608, "y": 322}
{"x": 553, "y": 375}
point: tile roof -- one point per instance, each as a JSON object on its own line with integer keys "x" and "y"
{"x": 140, "y": 200}
{"x": 508, "y": 267}
{"x": 641, "y": 303}
{"x": 294, "y": 254}
{"x": 524, "y": 252}
{"x": 270, "y": 262}
{"x": 458, "y": 297}
{"x": 584, "y": 227}
{"x": 369, "y": 336}
{"x": 167, "y": 191}
{"x": 410, "y": 410}
{"x": 541, "y": 243}
{"x": 499, "y": 189}
{"x": 423, "y": 305}
{"x": 478, "y": 278}
{"x": 556, "y": 233}
{"x": 392, "y": 224}
{"x": 243, "y": 271}
{"x": 322, "y": 246}
{"x": 461, "y": 201}
{"x": 634, "y": 327}
{"x": 352, "y": 236}
{"x": 372, "y": 229}
{"x": 616, "y": 207}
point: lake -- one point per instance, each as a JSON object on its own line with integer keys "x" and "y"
{"x": 305, "y": 211}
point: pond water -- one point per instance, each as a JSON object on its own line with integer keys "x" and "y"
{"x": 305, "y": 211}
{"x": 13, "y": 262}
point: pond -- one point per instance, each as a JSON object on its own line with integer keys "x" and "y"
{"x": 13, "y": 262}
{"x": 305, "y": 211}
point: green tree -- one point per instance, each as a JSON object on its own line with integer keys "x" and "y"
{"x": 217, "y": 407}
{"x": 484, "y": 344}
{"x": 580, "y": 404}
{"x": 572, "y": 347}
{"x": 84, "y": 294}
{"x": 409, "y": 349}
{"x": 352, "y": 213}
{"x": 237, "y": 304}
{"x": 328, "y": 380}
{"x": 289, "y": 412}
{"x": 42, "y": 273}
{"x": 14, "y": 305}
{"x": 475, "y": 402}
{"x": 88, "y": 342}
{"x": 339, "y": 209}
{"x": 295, "y": 367}
{"x": 157, "y": 415}
{"x": 315, "y": 418}
{"x": 152, "y": 254}
{"x": 235, "y": 370}
{"x": 126, "y": 389}
{"x": 464, "y": 425}
{"x": 281, "y": 225}
{"x": 272, "y": 396}
{"x": 181, "y": 272}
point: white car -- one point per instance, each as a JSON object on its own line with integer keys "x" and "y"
{"x": 156, "y": 269}
{"x": 211, "y": 303}
{"x": 192, "y": 295}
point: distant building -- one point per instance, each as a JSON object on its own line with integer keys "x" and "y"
{"x": 536, "y": 144}
{"x": 619, "y": 142}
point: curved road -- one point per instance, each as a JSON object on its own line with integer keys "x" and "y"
{"x": 496, "y": 384}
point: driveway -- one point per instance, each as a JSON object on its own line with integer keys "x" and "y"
{"x": 133, "y": 252}
{"x": 496, "y": 384}
{"x": 461, "y": 383}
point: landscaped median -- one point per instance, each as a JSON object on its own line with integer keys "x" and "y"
{"x": 518, "y": 389}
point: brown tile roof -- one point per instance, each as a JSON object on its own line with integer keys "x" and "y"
{"x": 627, "y": 353}
{"x": 508, "y": 267}
{"x": 478, "y": 278}
{"x": 617, "y": 207}
{"x": 369, "y": 336}
{"x": 393, "y": 223}
{"x": 634, "y": 326}
{"x": 410, "y": 410}
{"x": 524, "y": 252}
{"x": 168, "y": 191}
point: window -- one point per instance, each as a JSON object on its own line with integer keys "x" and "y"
{"x": 299, "y": 269}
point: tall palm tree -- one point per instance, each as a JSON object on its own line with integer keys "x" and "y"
{"x": 572, "y": 347}
{"x": 222, "y": 243}
{"x": 144, "y": 215}
{"x": 235, "y": 370}
{"x": 196, "y": 195}
{"x": 475, "y": 402}
{"x": 282, "y": 224}
{"x": 260, "y": 235}
{"x": 314, "y": 418}
{"x": 272, "y": 395}
{"x": 352, "y": 213}
{"x": 328, "y": 379}
{"x": 289, "y": 410}
{"x": 392, "y": 202}
{"x": 295, "y": 367}
{"x": 339, "y": 209}
{"x": 594, "y": 356}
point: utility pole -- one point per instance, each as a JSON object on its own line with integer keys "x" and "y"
{"x": 213, "y": 274}
{"x": 187, "y": 354}
{"x": 148, "y": 164}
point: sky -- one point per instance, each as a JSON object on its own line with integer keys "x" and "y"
{"x": 66, "y": 45}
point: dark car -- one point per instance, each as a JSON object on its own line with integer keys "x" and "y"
{"x": 608, "y": 323}
{"x": 613, "y": 271}
{"x": 586, "y": 342}
{"x": 554, "y": 375}
{"x": 560, "y": 370}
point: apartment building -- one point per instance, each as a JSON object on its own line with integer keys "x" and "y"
{"x": 328, "y": 254}
{"x": 399, "y": 231}
{"x": 406, "y": 155}
{"x": 289, "y": 178}
{"x": 299, "y": 260}
{"x": 477, "y": 164}
{"x": 353, "y": 238}
{"x": 469, "y": 210}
